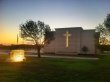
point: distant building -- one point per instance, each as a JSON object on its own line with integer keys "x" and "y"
{"x": 71, "y": 41}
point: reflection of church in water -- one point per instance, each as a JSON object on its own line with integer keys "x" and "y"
{"x": 71, "y": 41}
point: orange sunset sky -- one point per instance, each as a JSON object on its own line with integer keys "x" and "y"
{"x": 57, "y": 13}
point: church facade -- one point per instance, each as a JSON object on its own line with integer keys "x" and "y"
{"x": 72, "y": 41}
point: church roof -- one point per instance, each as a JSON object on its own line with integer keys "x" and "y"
{"x": 79, "y": 28}
{"x": 70, "y": 28}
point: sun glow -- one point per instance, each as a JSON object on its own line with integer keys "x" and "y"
{"x": 17, "y": 55}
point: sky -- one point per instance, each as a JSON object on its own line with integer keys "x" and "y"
{"x": 57, "y": 13}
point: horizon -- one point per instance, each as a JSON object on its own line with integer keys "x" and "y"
{"x": 57, "y": 13}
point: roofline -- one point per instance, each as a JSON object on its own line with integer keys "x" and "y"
{"x": 89, "y": 29}
{"x": 69, "y": 28}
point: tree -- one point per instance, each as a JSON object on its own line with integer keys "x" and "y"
{"x": 37, "y": 32}
{"x": 101, "y": 34}
{"x": 85, "y": 49}
{"x": 104, "y": 30}
{"x": 107, "y": 22}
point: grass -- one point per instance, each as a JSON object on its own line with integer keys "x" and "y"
{"x": 55, "y": 70}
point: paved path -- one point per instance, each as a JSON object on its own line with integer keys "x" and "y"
{"x": 69, "y": 57}
{"x": 52, "y": 56}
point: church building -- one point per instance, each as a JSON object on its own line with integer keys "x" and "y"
{"x": 72, "y": 41}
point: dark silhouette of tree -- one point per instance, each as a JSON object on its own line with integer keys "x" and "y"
{"x": 104, "y": 30}
{"x": 85, "y": 49}
{"x": 107, "y": 22}
{"x": 37, "y": 32}
{"x": 101, "y": 33}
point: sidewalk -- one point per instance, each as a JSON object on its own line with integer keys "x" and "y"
{"x": 69, "y": 57}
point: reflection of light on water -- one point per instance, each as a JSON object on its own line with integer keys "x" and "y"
{"x": 17, "y": 55}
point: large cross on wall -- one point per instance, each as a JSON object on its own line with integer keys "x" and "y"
{"x": 67, "y": 35}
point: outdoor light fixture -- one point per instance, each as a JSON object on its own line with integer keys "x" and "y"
{"x": 17, "y": 55}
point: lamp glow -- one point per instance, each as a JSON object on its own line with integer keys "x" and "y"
{"x": 17, "y": 55}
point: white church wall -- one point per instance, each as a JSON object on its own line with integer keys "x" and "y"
{"x": 88, "y": 40}
{"x": 76, "y": 40}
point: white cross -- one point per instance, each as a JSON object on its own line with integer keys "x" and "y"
{"x": 67, "y": 35}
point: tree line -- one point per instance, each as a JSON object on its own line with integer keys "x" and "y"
{"x": 103, "y": 32}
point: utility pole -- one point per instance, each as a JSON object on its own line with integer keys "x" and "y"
{"x": 17, "y": 39}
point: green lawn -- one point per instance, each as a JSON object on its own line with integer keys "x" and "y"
{"x": 55, "y": 70}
